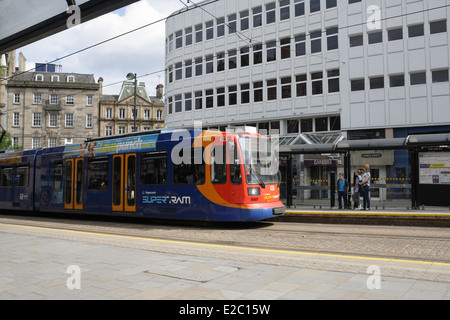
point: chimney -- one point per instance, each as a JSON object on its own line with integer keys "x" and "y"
{"x": 159, "y": 91}
{"x": 22, "y": 62}
{"x": 100, "y": 86}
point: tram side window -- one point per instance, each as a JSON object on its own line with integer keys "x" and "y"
{"x": 58, "y": 177}
{"x": 192, "y": 172}
{"x": 22, "y": 174}
{"x": 153, "y": 171}
{"x": 98, "y": 172}
{"x": 218, "y": 165}
{"x": 6, "y": 174}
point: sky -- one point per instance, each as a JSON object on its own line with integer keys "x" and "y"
{"x": 141, "y": 52}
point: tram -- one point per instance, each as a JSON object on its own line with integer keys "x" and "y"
{"x": 178, "y": 174}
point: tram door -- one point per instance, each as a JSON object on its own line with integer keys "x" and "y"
{"x": 73, "y": 188}
{"x": 124, "y": 183}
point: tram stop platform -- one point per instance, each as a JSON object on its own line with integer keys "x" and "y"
{"x": 423, "y": 217}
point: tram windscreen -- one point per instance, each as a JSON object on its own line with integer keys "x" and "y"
{"x": 259, "y": 158}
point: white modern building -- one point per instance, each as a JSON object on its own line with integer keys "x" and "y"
{"x": 317, "y": 70}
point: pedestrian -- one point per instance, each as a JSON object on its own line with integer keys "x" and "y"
{"x": 356, "y": 191}
{"x": 365, "y": 185}
{"x": 342, "y": 186}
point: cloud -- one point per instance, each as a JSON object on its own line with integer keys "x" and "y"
{"x": 140, "y": 52}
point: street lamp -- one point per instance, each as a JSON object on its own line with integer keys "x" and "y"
{"x": 132, "y": 76}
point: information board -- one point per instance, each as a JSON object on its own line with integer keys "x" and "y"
{"x": 434, "y": 168}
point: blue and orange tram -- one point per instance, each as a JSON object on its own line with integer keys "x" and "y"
{"x": 179, "y": 174}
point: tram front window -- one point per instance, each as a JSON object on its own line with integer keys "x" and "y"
{"x": 260, "y": 165}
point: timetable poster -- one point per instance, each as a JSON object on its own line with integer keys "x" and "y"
{"x": 434, "y": 167}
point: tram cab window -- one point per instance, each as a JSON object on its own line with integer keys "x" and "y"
{"x": 98, "y": 173}
{"x": 6, "y": 176}
{"x": 153, "y": 169}
{"x": 193, "y": 171}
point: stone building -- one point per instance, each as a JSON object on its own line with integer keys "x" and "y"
{"x": 46, "y": 109}
{"x": 117, "y": 111}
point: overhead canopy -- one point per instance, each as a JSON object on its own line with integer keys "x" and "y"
{"x": 25, "y": 21}
{"x": 342, "y": 146}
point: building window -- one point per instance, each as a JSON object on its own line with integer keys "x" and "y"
{"x": 258, "y": 91}
{"x": 55, "y": 78}
{"x": 257, "y": 17}
{"x": 416, "y": 31}
{"x": 376, "y": 83}
{"x": 245, "y": 93}
{"x": 438, "y": 26}
{"x": 271, "y": 51}
{"x": 220, "y": 97}
{"x": 356, "y": 41}
{"x": 331, "y": 4}
{"x": 375, "y": 37}
{"x": 332, "y": 38}
{"x": 35, "y": 143}
{"x": 272, "y": 89}
{"x": 39, "y": 77}
{"x": 179, "y": 39}
{"x": 90, "y": 100}
{"x": 306, "y": 125}
{"x": 53, "y": 99}
{"x": 159, "y": 115}
{"x": 198, "y": 100}
{"x": 121, "y": 114}
{"x": 69, "y": 120}
{"x": 300, "y": 45}
{"x": 244, "y": 20}
{"x": 70, "y": 100}
{"x": 146, "y": 114}
{"x": 188, "y": 36}
{"x": 286, "y": 87}
{"x": 299, "y": 8}
{"x": 292, "y": 126}
{"x": 335, "y": 123}
{"x": 170, "y": 74}
{"x": 16, "y": 98}
{"x": 53, "y": 120}
{"x": 232, "y": 23}
{"x": 317, "y": 82}
{"x": 316, "y": 41}
{"x": 169, "y": 105}
{"x": 209, "y": 95}
{"x": 37, "y": 118}
{"x": 188, "y": 69}
{"x": 270, "y": 13}
{"x": 209, "y": 67}
{"x": 109, "y": 113}
{"x": 220, "y": 27}
{"x": 122, "y": 130}
{"x": 395, "y": 34}
{"x": 37, "y": 98}
{"x": 397, "y": 81}
{"x": 188, "y": 101}
{"x": 178, "y": 71}
{"x": 209, "y": 27}
{"x": 220, "y": 61}
{"x": 232, "y": 59}
{"x": 198, "y": 33}
{"x": 245, "y": 60}
{"x": 285, "y": 48}
{"x": 108, "y": 131}
{"x": 333, "y": 80}
{"x": 357, "y": 85}
{"x": 198, "y": 66}
{"x": 178, "y": 103}
{"x": 170, "y": 44}
{"x": 89, "y": 118}
{"x": 440, "y": 76}
{"x": 70, "y": 79}
{"x": 300, "y": 81}
{"x": 232, "y": 95}
{"x": 52, "y": 142}
{"x": 257, "y": 54}
{"x": 321, "y": 124}
{"x": 417, "y": 78}
{"x": 314, "y": 6}
{"x": 285, "y": 10}
{"x": 16, "y": 119}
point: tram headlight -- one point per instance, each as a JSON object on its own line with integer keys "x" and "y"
{"x": 253, "y": 191}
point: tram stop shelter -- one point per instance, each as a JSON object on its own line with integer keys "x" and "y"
{"x": 412, "y": 171}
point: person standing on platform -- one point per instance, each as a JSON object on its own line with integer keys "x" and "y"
{"x": 342, "y": 186}
{"x": 365, "y": 185}
{"x": 356, "y": 191}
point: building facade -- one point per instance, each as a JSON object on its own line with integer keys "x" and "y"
{"x": 315, "y": 70}
{"x": 117, "y": 113}
{"x": 46, "y": 109}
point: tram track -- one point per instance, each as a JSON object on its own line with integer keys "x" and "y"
{"x": 415, "y": 244}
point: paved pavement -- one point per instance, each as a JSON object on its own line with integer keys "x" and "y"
{"x": 48, "y": 264}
